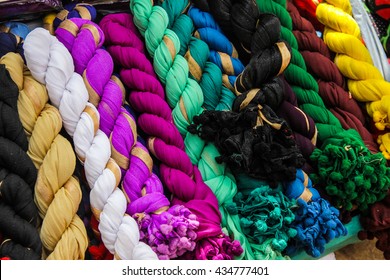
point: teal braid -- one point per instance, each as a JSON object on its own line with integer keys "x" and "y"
{"x": 186, "y": 98}
{"x": 196, "y": 52}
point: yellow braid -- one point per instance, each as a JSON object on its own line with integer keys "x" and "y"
{"x": 365, "y": 81}
{"x": 57, "y": 193}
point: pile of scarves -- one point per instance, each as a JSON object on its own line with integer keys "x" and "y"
{"x": 209, "y": 130}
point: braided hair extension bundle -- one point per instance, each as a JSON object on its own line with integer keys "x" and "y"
{"x": 208, "y": 30}
{"x": 52, "y": 65}
{"x": 57, "y": 193}
{"x": 365, "y": 82}
{"x": 330, "y": 81}
{"x": 180, "y": 176}
{"x": 170, "y": 231}
{"x": 19, "y": 214}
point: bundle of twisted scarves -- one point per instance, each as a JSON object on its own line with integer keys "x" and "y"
{"x": 365, "y": 81}
{"x": 226, "y": 58}
{"x": 208, "y": 27}
{"x": 170, "y": 231}
{"x": 201, "y": 68}
{"x": 254, "y": 35}
{"x": 331, "y": 83}
{"x": 52, "y": 65}
{"x": 366, "y": 84}
{"x": 57, "y": 193}
{"x": 361, "y": 172}
{"x": 209, "y": 31}
{"x": 252, "y": 138}
{"x": 327, "y": 124}
{"x": 180, "y": 176}
{"x": 19, "y": 214}
{"x": 252, "y": 251}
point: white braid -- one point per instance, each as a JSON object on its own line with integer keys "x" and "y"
{"x": 52, "y": 65}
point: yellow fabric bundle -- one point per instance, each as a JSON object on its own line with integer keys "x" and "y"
{"x": 365, "y": 82}
{"x": 57, "y": 193}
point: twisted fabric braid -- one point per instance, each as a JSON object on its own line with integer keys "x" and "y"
{"x": 51, "y": 64}
{"x": 145, "y": 194}
{"x": 365, "y": 82}
{"x": 57, "y": 193}
{"x": 19, "y": 214}
{"x": 222, "y": 51}
{"x": 185, "y": 96}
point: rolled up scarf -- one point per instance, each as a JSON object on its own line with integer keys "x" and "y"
{"x": 180, "y": 176}
{"x": 330, "y": 81}
{"x": 376, "y": 224}
{"x": 208, "y": 30}
{"x": 52, "y": 65}
{"x": 163, "y": 226}
{"x": 19, "y": 214}
{"x": 365, "y": 82}
{"x": 57, "y": 193}
{"x": 316, "y": 221}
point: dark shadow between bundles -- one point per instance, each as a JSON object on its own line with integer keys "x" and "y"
{"x": 252, "y": 138}
{"x": 18, "y": 212}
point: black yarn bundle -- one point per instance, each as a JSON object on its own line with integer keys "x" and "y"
{"x": 18, "y": 212}
{"x": 252, "y": 138}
